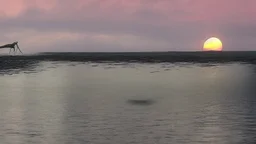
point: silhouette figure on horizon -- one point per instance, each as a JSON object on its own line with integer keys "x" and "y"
{"x": 11, "y": 46}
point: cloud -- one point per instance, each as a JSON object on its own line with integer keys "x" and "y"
{"x": 121, "y": 25}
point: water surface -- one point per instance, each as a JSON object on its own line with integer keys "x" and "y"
{"x": 87, "y": 102}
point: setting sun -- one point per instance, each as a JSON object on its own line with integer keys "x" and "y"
{"x": 213, "y": 44}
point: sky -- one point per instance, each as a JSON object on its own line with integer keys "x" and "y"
{"x": 127, "y": 25}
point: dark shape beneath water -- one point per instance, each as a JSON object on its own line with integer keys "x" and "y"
{"x": 141, "y": 102}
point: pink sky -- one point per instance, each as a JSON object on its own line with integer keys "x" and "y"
{"x": 127, "y": 25}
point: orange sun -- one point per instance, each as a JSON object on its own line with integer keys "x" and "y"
{"x": 213, "y": 44}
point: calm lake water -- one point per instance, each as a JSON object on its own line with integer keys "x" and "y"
{"x": 128, "y": 103}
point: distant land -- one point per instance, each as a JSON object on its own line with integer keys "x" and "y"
{"x": 201, "y": 57}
